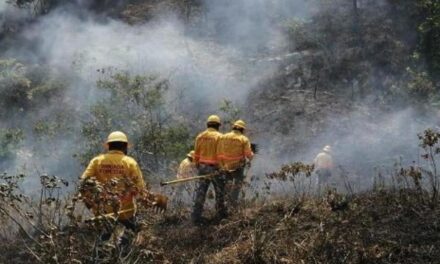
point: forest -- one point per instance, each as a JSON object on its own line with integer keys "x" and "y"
{"x": 361, "y": 76}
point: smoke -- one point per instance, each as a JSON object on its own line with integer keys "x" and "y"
{"x": 208, "y": 63}
{"x": 10, "y": 15}
{"x": 232, "y": 48}
{"x": 366, "y": 143}
{"x": 369, "y": 134}
{"x": 3, "y": 6}
{"x": 251, "y": 24}
{"x": 68, "y": 42}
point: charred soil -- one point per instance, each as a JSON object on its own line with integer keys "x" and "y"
{"x": 374, "y": 227}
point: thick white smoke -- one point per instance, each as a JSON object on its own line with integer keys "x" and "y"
{"x": 3, "y": 6}
{"x": 215, "y": 59}
{"x": 206, "y": 67}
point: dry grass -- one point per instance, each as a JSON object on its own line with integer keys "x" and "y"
{"x": 393, "y": 226}
{"x": 381, "y": 227}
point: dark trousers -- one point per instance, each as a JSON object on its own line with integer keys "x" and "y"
{"x": 130, "y": 224}
{"x": 234, "y": 183}
{"x": 202, "y": 188}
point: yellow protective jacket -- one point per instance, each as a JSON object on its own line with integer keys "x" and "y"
{"x": 323, "y": 161}
{"x": 186, "y": 169}
{"x": 206, "y": 147}
{"x": 121, "y": 177}
{"x": 233, "y": 149}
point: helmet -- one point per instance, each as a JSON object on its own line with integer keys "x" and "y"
{"x": 117, "y": 136}
{"x": 240, "y": 124}
{"x": 327, "y": 149}
{"x": 191, "y": 154}
{"x": 214, "y": 119}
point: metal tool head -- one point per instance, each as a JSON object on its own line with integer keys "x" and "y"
{"x": 160, "y": 203}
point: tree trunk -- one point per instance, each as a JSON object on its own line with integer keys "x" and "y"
{"x": 356, "y": 24}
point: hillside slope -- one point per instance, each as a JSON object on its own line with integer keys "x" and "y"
{"x": 374, "y": 227}
{"x": 377, "y": 227}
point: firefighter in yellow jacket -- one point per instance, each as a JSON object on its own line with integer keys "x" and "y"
{"x": 324, "y": 166}
{"x": 205, "y": 157}
{"x": 234, "y": 152}
{"x": 119, "y": 179}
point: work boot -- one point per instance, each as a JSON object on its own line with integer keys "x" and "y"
{"x": 219, "y": 216}
{"x": 105, "y": 236}
{"x": 124, "y": 244}
{"x": 200, "y": 221}
{"x": 222, "y": 213}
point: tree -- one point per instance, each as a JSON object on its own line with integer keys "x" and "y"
{"x": 137, "y": 106}
{"x": 429, "y": 38}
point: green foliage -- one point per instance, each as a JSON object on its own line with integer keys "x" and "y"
{"x": 137, "y": 106}
{"x": 422, "y": 17}
{"x": 420, "y": 84}
{"x": 349, "y": 47}
{"x": 9, "y": 140}
{"x": 26, "y": 87}
{"x": 415, "y": 87}
{"x": 301, "y": 38}
{"x": 429, "y": 30}
{"x": 14, "y": 84}
{"x": 59, "y": 124}
{"x": 26, "y": 91}
{"x": 230, "y": 113}
{"x": 38, "y": 7}
{"x": 372, "y": 46}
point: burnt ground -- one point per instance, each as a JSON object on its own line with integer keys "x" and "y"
{"x": 381, "y": 226}
{"x": 374, "y": 227}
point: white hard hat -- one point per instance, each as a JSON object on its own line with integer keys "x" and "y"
{"x": 327, "y": 149}
{"x": 117, "y": 136}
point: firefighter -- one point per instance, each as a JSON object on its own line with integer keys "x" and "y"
{"x": 120, "y": 182}
{"x": 324, "y": 166}
{"x": 205, "y": 157}
{"x": 187, "y": 168}
{"x": 234, "y": 153}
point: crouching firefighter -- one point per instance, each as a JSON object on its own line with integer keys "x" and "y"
{"x": 187, "y": 169}
{"x": 205, "y": 157}
{"x": 113, "y": 182}
{"x": 234, "y": 154}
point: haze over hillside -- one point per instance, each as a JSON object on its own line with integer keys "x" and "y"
{"x": 361, "y": 76}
